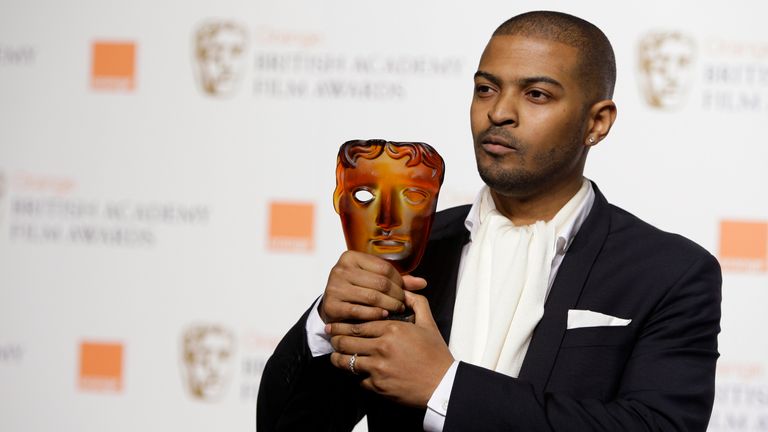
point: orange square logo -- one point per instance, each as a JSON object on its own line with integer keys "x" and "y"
{"x": 744, "y": 245}
{"x": 291, "y": 226}
{"x": 101, "y": 366}
{"x": 113, "y": 66}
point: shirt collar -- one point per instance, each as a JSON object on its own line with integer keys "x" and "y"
{"x": 564, "y": 237}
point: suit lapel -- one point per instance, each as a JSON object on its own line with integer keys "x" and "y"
{"x": 565, "y": 293}
{"x": 441, "y": 265}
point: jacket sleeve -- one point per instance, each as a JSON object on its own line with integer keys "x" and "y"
{"x": 667, "y": 383}
{"x": 301, "y": 392}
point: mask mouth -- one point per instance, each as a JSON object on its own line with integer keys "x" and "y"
{"x": 390, "y": 248}
{"x": 388, "y": 243}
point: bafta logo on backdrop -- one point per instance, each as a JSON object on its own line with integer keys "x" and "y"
{"x": 207, "y": 356}
{"x": 665, "y": 64}
{"x": 219, "y": 49}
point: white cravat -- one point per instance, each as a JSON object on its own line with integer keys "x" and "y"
{"x": 568, "y": 221}
{"x": 500, "y": 296}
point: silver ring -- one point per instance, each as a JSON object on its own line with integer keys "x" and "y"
{"x": 352, "y": 361}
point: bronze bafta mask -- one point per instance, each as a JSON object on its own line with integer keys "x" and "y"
{"x": 386, "y": 195}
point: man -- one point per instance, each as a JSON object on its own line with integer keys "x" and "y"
{"x": 545, "y": 307}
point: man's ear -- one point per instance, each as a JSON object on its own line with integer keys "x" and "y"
{"x": 601, "y": 117}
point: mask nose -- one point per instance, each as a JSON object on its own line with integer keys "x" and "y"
{"x": 388, "y": 216}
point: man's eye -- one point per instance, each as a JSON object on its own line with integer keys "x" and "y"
{"x": 483, "y": 89}
{"x": 415, "y": 196}
{"x": 538, "y": 96}
{"x": 363, "y": 196}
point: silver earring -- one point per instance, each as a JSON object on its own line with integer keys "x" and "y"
{"x": 591, "y": 140}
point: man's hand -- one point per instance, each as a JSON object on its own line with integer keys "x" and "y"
{"x": 362, "y": 287}
{"x": 402, "y": 361}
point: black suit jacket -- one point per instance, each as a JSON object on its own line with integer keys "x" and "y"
{"x": 655, "y": 374}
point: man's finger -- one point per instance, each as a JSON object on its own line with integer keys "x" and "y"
{"x": 364, "y": 330}
{"x": 338, "y": 310}
{"x": 412, "y": 283}
{"x": 353, "y": 345}
{"x": 369, "y": 297}
{"x": 368, "y": 384}
{"x": 377, "y": 282}
{"x": 420, "y": 306}
{"x": 376, "y": 265}
{"x": 368, "y": 271}
{"x": 342, "y": 361}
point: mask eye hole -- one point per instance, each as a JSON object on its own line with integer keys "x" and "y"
{"x": 415, "y": 196}
{"x": 363, "y": 196}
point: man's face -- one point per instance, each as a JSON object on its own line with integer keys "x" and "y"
{"x": 386, "y": 209}
{"x": 528, "y": 115}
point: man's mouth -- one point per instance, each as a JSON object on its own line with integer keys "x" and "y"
{"x": 498, "y": 142}
{"x": 497, "y": 149}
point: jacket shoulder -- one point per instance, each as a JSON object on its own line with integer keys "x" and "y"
{"x": 449, "y": 222}
{"x": 651, "y": 240}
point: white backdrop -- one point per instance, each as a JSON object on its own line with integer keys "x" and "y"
{"x": 137, "y": 208}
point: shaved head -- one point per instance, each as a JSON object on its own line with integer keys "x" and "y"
{"x": 597, "y": 63}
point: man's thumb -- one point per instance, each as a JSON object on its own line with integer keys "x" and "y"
{"x": 421, "y": 309}
{"x": 413, "y": 283}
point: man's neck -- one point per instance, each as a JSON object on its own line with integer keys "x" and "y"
{"x": 540, "y": 206}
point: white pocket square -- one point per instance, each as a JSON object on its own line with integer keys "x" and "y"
{"x": 578, "y": 318}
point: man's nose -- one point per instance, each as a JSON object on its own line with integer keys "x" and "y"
{"x": 388, "y": 216}
{"x": 504, "y": 110}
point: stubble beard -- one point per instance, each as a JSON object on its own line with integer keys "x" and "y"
{"x": 509, "y": 175}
